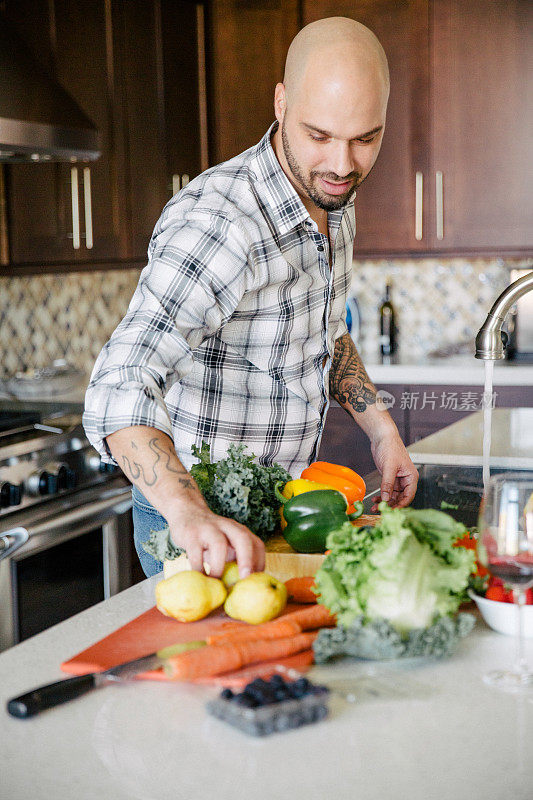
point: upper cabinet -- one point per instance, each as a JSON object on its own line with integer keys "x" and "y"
{"x": 385, "y": 205}
{"x": 482, "y": 125}
{"x": 175, "y": 86}
{"x": 248, "y": 42}
{"x": 137, "y": 69}
{"x": 453, "y": 174}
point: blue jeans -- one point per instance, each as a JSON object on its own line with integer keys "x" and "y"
{"x": 145, "y": 520}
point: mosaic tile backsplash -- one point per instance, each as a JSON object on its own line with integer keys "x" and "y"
{"x": 71, "y": 316}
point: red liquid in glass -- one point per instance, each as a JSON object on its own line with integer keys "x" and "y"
{"x": 517, "y": 570}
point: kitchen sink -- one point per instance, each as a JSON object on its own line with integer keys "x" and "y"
{"x": 454, "y": 489}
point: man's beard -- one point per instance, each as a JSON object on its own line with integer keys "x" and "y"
{"x": 320, "y": 199}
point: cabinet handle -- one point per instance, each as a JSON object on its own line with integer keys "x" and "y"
{"x": 419, "y": 194}
{"x": 75, "y": 208}
{"x": 176, "y": 184}
{"x": 87, "y": 197}
{"x": 439, "y": 204}
{"x": 184, "y": 180}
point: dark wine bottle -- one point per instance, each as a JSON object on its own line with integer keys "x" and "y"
{"x": 387, "y": 326}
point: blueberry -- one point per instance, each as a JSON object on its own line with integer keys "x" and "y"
{"x": 277, "y": 681}
{"x": 245, "y": 700}
{"x": 281, "y": 693}
{"x": 258, "y": 683}
{"x": 226, "y": 694}
{"x": 302, "y": 684}
{"x": 268, "y": 695}
{"x": 296, "y": 691}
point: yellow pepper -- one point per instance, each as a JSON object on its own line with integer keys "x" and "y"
{"x": 296, "y": 487}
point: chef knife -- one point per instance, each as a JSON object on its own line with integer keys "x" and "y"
{"x": 52, "y": 694}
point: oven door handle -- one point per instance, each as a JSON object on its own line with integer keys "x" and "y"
{"x": 85, "y": 514}
{"x": 11, "y": 541}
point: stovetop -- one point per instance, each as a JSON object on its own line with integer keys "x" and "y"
{"x": 44, "y": 452}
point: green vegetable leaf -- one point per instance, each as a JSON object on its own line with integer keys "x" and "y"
{"x": 240, "y": 488}
{"x": 406, "y": 570}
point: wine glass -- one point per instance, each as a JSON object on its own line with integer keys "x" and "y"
{"x": 505, "y": 547}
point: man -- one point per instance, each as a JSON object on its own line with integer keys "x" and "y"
{"x": 237, "y": 324}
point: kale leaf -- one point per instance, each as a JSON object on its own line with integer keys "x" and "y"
{"x": 240, "y": 488}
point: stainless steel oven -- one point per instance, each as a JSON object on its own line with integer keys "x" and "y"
{"x": 65, "y": 527}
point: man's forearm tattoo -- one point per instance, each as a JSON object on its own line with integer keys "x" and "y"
{"x": 148, "y": 473}
{"x": 348, "y": 382}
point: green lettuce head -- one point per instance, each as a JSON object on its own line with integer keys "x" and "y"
{"x": 405, "y": 570}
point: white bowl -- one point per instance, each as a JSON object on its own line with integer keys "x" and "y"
{"x": 502, "y": 617}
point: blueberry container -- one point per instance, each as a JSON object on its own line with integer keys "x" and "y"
{"x": 274, "y": 716}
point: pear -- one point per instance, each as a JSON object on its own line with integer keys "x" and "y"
{"x": 230, "y": 576}
{"x": 189, "y": 596}
{"x": 256, "y": 599}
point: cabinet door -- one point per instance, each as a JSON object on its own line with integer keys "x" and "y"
{"x": 482, "y": 85}
{"x": 85, "y": 55}
{"x": 248, "y": 41}
{"x": 386, "y": 202}
{"x": 36, "y": 194}
{"x": 183, "y": 27}
{"x": 138, "y": 59}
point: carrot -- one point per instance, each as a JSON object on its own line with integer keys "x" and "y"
{"x": 303, "y": 619}
{"x": 312, "y": 617}
{"x": 219, "y": 658}
{"x": 301, "y": 589}
{"x": 274, "y": 629}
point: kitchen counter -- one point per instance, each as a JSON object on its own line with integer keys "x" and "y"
{"x": 424, "y": 730}
{"x": 462, "y": 442}
{"x": 462, "y": 370}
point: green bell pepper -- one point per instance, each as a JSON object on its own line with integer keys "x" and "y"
{"x": 312, "y": 515}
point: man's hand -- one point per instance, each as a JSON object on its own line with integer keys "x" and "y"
{"x": 208, "y": 538}
{"x": 148, "y": 458}
{"x": 399, "y": 476}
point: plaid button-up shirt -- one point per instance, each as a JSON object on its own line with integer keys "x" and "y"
{"x": 230, "y": 333}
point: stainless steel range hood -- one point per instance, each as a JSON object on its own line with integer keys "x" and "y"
{"x": 39, "y": 121}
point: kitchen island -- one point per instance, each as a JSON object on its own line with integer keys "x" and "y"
{"x": 417, "y": 729}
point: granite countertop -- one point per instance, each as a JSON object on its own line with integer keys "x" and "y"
{"x": 462, "y": 442}
{"x": 423, "y": 730}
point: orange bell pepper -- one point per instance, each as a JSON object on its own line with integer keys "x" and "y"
{"x": 343, "y": 479}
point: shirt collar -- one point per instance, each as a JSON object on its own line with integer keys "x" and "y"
{"x": 278, "y": 190}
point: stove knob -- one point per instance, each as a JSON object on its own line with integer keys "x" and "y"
{"x": 66, "y": 478}
{"x": 40, "y": 483}
{"x": 48, "y": 483}
{"x": 10, "y": 494}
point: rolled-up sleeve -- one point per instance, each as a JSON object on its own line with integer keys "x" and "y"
{"x": 195, "y": 277}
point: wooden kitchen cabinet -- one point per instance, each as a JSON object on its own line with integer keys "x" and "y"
{"x": 134, "y": 68}
{"x": 482, "y": 122}
{"x": 460, "y": 116}
{"x": 75, "y": 42}
{"x": 385, "y": 202}
{"x": 248, "y": 42}
{"x": 36, "y": 194}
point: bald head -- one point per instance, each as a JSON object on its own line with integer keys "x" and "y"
{"x": 338, "y": 47}
{"x": 331, "y": 110}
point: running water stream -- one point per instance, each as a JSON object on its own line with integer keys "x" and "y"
{"x": 487, "y": 422}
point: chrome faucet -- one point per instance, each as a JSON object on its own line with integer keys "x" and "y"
{"x": 491, "y": 340}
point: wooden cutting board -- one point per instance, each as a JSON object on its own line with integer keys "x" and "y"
{"x": 282, "y": 562}
{"x": 152, "y": 631}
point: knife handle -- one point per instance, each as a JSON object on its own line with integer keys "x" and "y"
{"x": 31, "y": 703}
